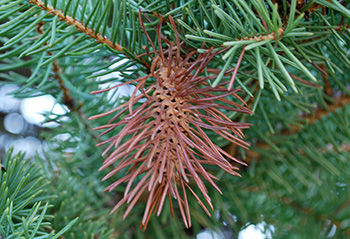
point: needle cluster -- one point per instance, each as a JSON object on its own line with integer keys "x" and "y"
{"x": 163, "y": 146}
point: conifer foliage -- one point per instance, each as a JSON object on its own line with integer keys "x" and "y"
{"x": 21, "y": 200}
{"x": 187, "y": 94}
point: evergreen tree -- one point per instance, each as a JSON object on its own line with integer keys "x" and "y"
{"x": 185, "y": 96}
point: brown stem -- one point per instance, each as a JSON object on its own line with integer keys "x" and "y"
{"x": 340, "y": 102}
{"x": 306, "y": 210}
{"x": 327, "y": 86}
{"x": 317, "y": 114}
{"x": 343, "y": 206}
{"x": 68, "y": 100}
{"x": 310, "y": 211}
{"x": 160, "y": 16}
{"x": 80, "y": 26}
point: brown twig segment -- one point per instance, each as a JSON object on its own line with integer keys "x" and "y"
{"x": 79, "y": 25}
{"x": 342, "y": 27}
{"x": 68, "y": 100}
{"x": 160, "y": 16}
{"x": 313, "y": 212}
{"x": 327, "y": 86}
{"x": 317, "y": 114}
{"x": 308, "y": 119}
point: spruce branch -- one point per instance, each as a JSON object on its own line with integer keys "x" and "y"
{"x": 272, "y": 43}
{"x": 271, "y": 28}
{"x": 24, "y": 207}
